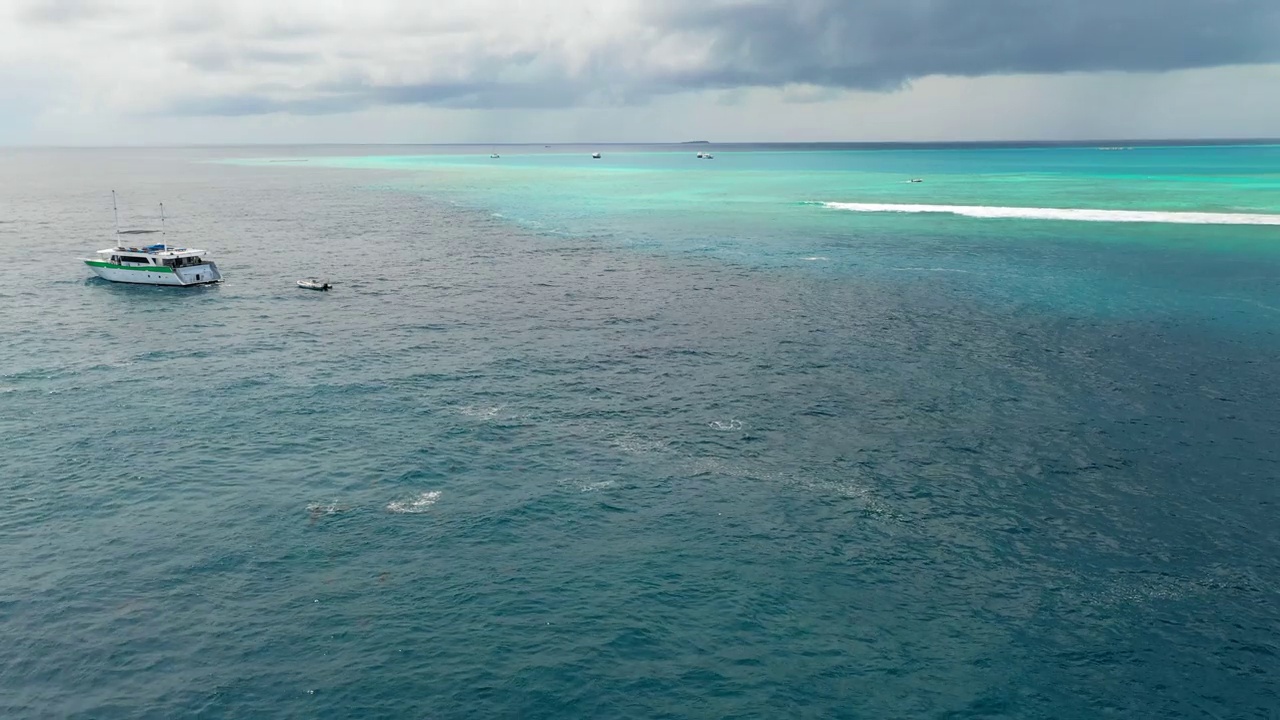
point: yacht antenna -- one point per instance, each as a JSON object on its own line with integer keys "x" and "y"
{"x": 115, "y": 210}
{"x": 163, "y": 240}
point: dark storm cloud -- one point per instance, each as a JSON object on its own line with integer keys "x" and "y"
{"x": 350, "y": 98}
{"x": 260, "y": 104}
{"x": 480, "y": 95}
{"x": 880, "y": 44}
{"x": 216, "y": 57}
{"x": 831, "y": 44}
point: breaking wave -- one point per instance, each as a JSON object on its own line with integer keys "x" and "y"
{"x": 1073, "y": 214}
{"x": 414, "y": 505}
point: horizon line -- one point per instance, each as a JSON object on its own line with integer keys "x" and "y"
{"x": 1219, "y": 140}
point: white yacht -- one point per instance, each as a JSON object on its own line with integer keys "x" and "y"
{"x": 157, "y": 264}
{"x": 154, "y": 265}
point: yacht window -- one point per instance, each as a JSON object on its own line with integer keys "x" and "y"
{"x": 126, "y": 258}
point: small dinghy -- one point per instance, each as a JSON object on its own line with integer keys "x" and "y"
{"x": 313, "y": 284}
{"x": 595, "y": 155}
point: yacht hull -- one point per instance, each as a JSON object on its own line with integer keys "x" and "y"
{"x": 156, "y": 275}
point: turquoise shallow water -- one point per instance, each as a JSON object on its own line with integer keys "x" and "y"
{"x": 642, "y": 437}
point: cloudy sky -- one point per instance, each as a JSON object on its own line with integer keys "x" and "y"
{"x": 229, "y": 71}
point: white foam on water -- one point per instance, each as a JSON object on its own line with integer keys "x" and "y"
{"x": 481, "y": 412}
{"x": 637, "y": 445}
{"x": 418, "y": 504}
{"x": 597, "y": 486}
{"x": 1247, "y": 301}
{"x": 1071, "y": 214}
{"x": 848, "y": 489}
{"x": 725, "y": 424}
{"x": 1139, "y": 589}
{"x": 934, "y": 269}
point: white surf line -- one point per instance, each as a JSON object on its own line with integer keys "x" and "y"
{"x": 1073, "y": 214}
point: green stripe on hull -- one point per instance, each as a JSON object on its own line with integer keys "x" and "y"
{"x": 143, "y": 268}
{"x": 152, "y": 284}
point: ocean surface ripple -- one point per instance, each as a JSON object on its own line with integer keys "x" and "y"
{"x": 655, "y": 472}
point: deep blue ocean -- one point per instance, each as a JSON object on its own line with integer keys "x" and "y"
{"x": 766, "y": 436}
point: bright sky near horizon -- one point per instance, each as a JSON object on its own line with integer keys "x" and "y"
{"x": 104, "y": 72}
